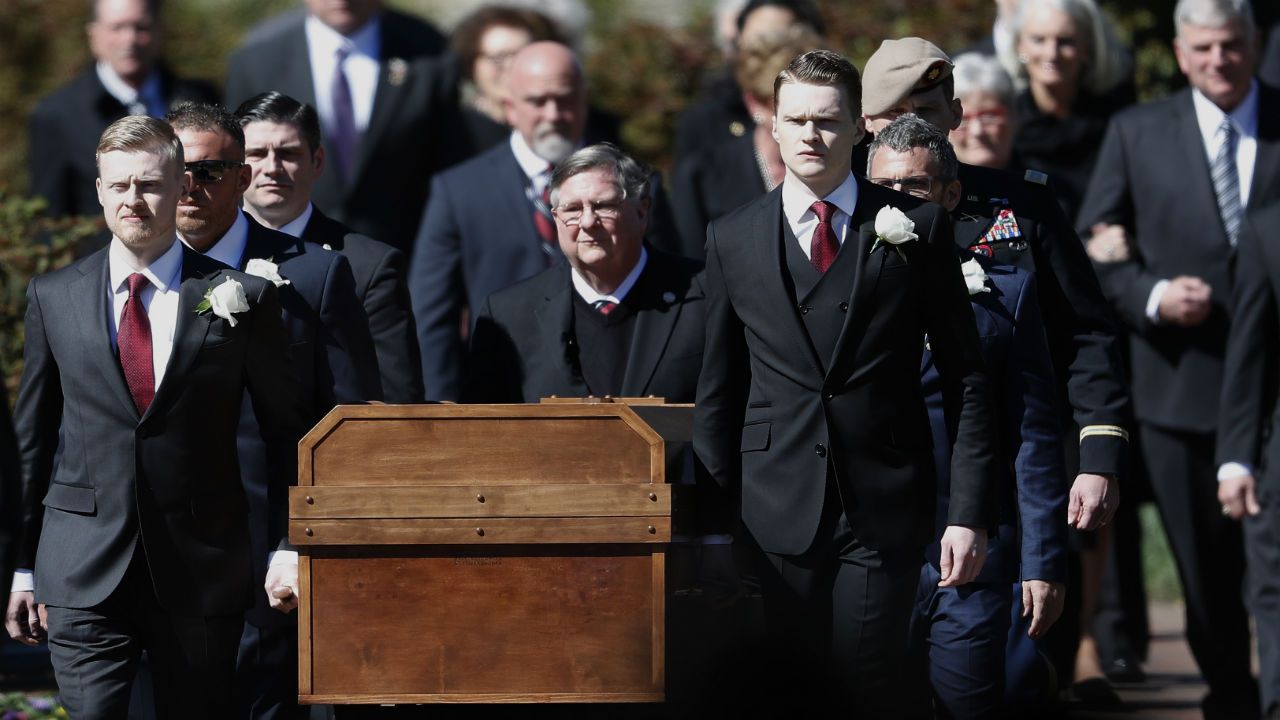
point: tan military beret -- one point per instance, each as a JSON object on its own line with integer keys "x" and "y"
{"x": 900, "y": 68}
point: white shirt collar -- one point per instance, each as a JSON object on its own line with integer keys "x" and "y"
{"x": 588, "y": 293}
{"x": 295, "y": 226}
{"x": 797, "y": 199}
{"x": 533, "y": 166}
{"x": 1209, "y": 116}
{"x": 163, "y": 273}
{"x": 123, "y": 91}
{"x": 366, "y": 41}
{"x": 229, "y": 249}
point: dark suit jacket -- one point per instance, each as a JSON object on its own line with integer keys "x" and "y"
{"x": 64, "y": 132}
{"x": 1077, "y": 317}
{"x": 1153, "y": 178}
{"x": 332, "y": 354}
{"x": 384, "y": 196}
{"x": 379, "y": 271}
{"x": 1249, "y": 383}
{"x": 1031, "y": 543}
{"x": 710, "y": 183}
{"x": 770, "y": 416}
{"x": 478, "y": 237}
{"x": 170, "y": 478}
{"x": 10, "y": 488}
{"x": 523, "y": 347}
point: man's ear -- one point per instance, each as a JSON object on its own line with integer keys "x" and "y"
{"x": 951, "y": 195}
{"x": 317, "y": 160}
{"x": 859, "y": 129}
{"x": 244, "y": 177}
{"x": 957, "y": 113}
{"x": 97, "y": 187}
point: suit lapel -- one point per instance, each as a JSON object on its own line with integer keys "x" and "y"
{"x": 555, "y": 318}
{"x": 509, "y": 175}
{"x": 1198, "y": 176}
{"x": 766, "y": 233}
{"x": 88, "y": 294}
{"x": 865, "y": 279}
{"x": 189, "y": 328}
{"x": 653, "y": 329}
{"x": 1267, "y": 161}
{"x": 392, "y": 74}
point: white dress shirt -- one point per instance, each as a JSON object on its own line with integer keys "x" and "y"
{"x": 535, "y": 168}
{"x": 160, "y": 299}
{"x": 296, "y": 226}
{"x": 146, "y": 100}
{"x": 588, "y": 293}
{"x": 1209, "y": 119}
{"x": 229, "y": 250}
{"x": 361, "y": 67}
{"x": 797, "y": 202}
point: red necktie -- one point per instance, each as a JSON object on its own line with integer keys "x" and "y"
{"x": 823, "y": 247}
{"x": 134, "y": 340}
{"x": 604, "y": 307}
{"x": 542, "y": 219}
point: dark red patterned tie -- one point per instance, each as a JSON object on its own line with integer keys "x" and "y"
{"x": 604, "y": 307}
{"x": 823, "y": 247}
{"x": 134, "y": 340}
{"x": 542, "y": 219}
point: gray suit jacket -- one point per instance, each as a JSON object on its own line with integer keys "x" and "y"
{"x": 170, "y": 478}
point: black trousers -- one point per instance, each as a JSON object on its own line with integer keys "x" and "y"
{"x": 267, "y": 673}
{"x": 1262, "y": 547}
{"x": 837, "y": 618}
{"x": 96, "y": 651}
{"x": 1208, "y": 549}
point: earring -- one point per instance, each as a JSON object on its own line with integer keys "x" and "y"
{"x": 758, "y": 118}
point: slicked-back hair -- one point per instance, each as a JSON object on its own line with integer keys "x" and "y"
{"x": 827, "y": 68}
{"x": 1214, "y": 13}
{"x": 631, "y": 176}
{"x": 465, "y": 40}
{"x": 140, "y": 133}
{"x": 909, "y": 132}
{"x": 206, "y": 117}
{"x": 276, "y": 107}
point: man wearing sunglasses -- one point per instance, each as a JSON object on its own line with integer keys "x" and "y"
{"x": 331, "y": 350}
{"x": 959, "y": 639}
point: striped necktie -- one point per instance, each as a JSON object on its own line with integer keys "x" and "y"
{"x": 1226, "y": 181}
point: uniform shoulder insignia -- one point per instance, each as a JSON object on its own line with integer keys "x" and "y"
{"x": 1037, "y": 177}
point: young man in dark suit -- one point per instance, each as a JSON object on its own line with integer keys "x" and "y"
{"x": 1174, "y": 180}
{"x": 384, "y": 96}
{"x": 138, "y": 361}
{"x": 329, "y": 346}
{"x": 283, "y": 149}
{"x": 810, "y": 396}
{"x": 125, "y": 79}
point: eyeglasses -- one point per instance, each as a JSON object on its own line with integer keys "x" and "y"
{"x": 207, "y": 172}
{"x": 993, "y": 118}
{"x": 604, "y": 211}
{"x": 918, "y": 185}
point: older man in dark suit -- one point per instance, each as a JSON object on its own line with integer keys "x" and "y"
{"x": 1173, "y": 182}
{"x": 819, "y": 296}
{"x": 383, "y": 95}
{"x": 138, "y": 361}
{"x": 125, "y": 79}
{"x": 283, "y": 149}
{"x": 329, "y": 345}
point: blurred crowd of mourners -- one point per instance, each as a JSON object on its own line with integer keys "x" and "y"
{"x": 454, "y": 218}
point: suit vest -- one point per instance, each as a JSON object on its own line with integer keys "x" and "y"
{"x": 823, "y": 300}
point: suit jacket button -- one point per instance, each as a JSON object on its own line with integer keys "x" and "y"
{"x": 820, "y": 449}
{"x": 831, "y": 396}
{"x": 844, "y": 307}
{"x": 804, "y": 309}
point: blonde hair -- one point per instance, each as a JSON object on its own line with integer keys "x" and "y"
{"x": 760, "y": 59}
{"x": 140, "y": 133}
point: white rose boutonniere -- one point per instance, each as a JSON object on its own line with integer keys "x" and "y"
{"x": 975, "y": 277}
{"x": 893, "y": 227}
{"x": 266, "y": 270}
{"x": 225, "y": 301}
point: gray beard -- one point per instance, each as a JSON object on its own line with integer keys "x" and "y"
{"x": 553, "y": 148}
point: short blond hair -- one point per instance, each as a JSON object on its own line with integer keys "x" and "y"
{"x": 140, "y": 133}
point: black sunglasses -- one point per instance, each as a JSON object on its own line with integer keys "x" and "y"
{"x": 210, "y": 171}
